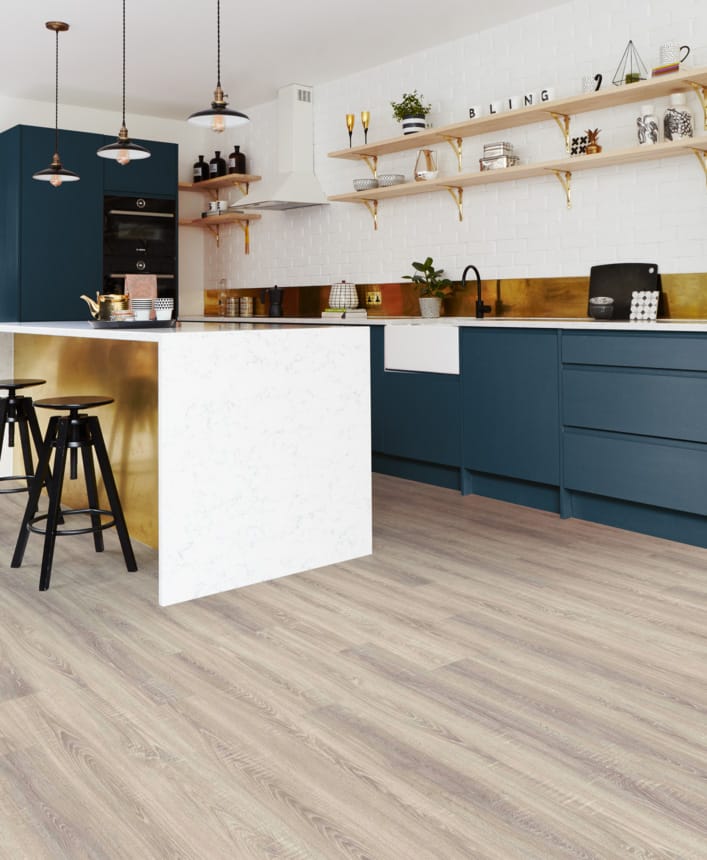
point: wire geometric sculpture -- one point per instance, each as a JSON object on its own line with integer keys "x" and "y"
{"x": 631, "y": 68}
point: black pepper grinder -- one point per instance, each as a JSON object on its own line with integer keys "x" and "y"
{"x": 217, "y": 165}
{"x": 201, "y": 170}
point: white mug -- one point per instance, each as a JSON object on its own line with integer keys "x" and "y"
{"x": 495, "y": 107}
{"x": 515, "y": 102}
{"x": 672, "y": 52}
{"x": 547, "y": 94}
{"x": 591, "y": 83}
{"x": 474, "y": 111}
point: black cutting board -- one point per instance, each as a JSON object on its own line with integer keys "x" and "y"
{"x": 619, "y": 280}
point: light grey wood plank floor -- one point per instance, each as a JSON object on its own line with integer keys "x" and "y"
{"x": 493, "y": 682}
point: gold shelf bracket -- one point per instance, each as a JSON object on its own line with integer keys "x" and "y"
{"x": 245, "y": 227}
{"x": 458, "y": 196}
{"x": 702, "y": 97}
{"x": 563, "y": 121}
{"x": 564, "y": 177}
{"x": 215, "y": 232}
{"x": 372, "y": 206}
{"x": 372, "y": 162}
{"x": 456, "y": 144}
{"x": 702, "y": 158}
{"x": 243, "y": 187}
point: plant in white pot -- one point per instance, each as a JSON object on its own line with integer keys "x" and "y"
{"x": 431, "y": 285}
{"x": 411, "y": 112}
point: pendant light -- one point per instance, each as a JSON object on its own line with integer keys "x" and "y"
{"x": 56, "y": 173}
{"x": 123, "y": 150}
{"x": 218, "y": 117}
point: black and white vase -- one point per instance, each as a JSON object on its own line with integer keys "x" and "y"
{"x": 677, "y": 121}
{"x": 647, "y": 126}
{"x": 411, "y": 124}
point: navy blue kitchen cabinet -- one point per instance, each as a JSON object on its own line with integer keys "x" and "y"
{"x": 50, "y": 238}
{"x": 154, "y": 176}
{"x": 634, "y": 419}
{"x": 510, "y": 414}
{"x": 416, "y": 421}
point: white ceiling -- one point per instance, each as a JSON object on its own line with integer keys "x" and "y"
{"x": 265, "y": 44}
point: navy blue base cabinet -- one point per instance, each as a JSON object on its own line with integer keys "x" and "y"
{"x": 510, "y": 415}
{"x": 51, "y": 239}
{"x": 415, "y": 422}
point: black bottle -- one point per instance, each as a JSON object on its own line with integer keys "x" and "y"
{"x": 236, "y": 161}
{"x": 217, "y": 165}
{"x": 201, "y": 170}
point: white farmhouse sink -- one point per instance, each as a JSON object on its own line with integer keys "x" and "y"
{"x": 424, "y": 348}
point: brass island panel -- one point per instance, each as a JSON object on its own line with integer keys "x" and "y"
{"x": 126, "y": 371}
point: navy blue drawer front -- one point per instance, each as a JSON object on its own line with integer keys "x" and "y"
{"x": 421, "y": 419}
{"x": 636, "y": 349}
{"x": 646, "y": 403}
{"x": 638, "y": 470}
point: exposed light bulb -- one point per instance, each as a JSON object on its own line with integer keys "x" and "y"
{"x": 123, "y": 157}
{"x": 217, "y": 123}
{"x": 55, "y": 181}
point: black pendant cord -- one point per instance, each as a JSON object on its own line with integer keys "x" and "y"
{"x": 56, "y": 92}
{"x": 218, "y": 43}
{"x": 123, "y": 63}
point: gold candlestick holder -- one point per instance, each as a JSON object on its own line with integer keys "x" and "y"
{"x": 350, "y": 120}
{"x": 365, "y": 120}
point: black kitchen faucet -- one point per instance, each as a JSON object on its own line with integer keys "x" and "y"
{"x": 481, "y": 308}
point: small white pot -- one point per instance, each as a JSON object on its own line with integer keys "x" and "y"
{"x": 411, "y": 124}
{"x": 430, "y": 306}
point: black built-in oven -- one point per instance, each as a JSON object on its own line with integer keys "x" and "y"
{"x": 140, "y": 238}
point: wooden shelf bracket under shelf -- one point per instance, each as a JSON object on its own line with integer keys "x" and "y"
{"x": 457, "y": 193}
{"x": 456, "y": 144}
{"x": 564, "y": 177}
{"x": 701, "y": 93}
{"x": 563, "y": 121}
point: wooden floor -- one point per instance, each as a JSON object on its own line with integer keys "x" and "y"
{"x": 493, "y": 682}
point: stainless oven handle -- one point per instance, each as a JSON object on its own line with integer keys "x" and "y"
{"x": 141, "y": 214}
{"x": 116, "y": 275}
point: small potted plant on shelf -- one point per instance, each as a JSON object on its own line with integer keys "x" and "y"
{"x": 411, "y": 112}
{"x": 432, "y": 286}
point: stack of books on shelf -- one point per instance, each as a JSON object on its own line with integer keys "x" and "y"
{"x": 665, "y": 70}
{"x": 498, "y": 155}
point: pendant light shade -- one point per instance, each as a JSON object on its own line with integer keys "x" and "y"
{"x": 218, "y": 117}
{"x": 123, "y": 150}
{"x": 56, "y": 173}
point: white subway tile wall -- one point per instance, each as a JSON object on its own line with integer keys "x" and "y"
{"x": 651, "y": 211}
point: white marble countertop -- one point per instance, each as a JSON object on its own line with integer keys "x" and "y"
{"x": 686, "y": 325}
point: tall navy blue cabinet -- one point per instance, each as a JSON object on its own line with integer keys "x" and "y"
{"x": 51, "y": 239}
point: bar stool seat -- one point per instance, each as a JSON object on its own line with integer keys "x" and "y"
{"x": 72, "y": 433}
{"x": 17, "y": 410}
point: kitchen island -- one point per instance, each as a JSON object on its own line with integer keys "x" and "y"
{"x": 258, "y": 437}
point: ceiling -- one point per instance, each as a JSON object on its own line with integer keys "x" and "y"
{"x": 171, "y": 46}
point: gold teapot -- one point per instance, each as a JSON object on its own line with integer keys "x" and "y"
{"x": 106, "y": 304}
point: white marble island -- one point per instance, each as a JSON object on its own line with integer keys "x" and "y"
{"x": 263, "y": 444}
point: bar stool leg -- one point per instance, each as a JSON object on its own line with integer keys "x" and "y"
{"x": 54, "y": 488}
{"x": 92, "y": 493}
{"x": 40, "y": 479}
{"x": 111, "y": 492}
{"x": 3, "y": 420}
{"x": 26, "y": 452}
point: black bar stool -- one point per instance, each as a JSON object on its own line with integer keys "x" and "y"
{"x": 73, "y": 432}
{"x": 16, "y": 410}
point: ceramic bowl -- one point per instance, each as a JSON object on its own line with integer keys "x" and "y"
{"x": 365, "y": 184}
{"x": 385, "y": 179}
{"x": 601, "y": 307}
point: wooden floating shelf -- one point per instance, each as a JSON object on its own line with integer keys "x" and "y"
{"x": 232, "y": 180}
{"x": 214, "y": 222}
{"x": 642, "y": 91}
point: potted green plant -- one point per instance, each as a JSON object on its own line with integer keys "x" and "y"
{"x": 411, "y": 112}
{"x": 431, "y": 285}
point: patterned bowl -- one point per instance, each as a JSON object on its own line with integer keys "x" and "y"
{"x": 365, "y": 184}
{"x": 386, "y": 179}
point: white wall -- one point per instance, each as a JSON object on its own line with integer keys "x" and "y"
{"x": 653, "y": 211}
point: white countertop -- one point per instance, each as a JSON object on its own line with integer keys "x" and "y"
{"x": 666, "y": 325}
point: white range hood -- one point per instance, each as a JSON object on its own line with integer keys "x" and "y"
{"x": 295, "y": 185}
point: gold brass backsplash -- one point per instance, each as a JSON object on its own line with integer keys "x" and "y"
{"x": 684, "y": 297}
